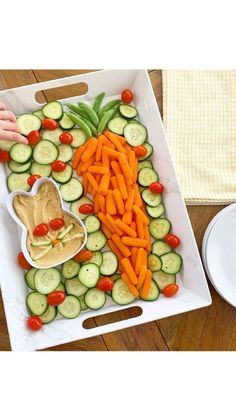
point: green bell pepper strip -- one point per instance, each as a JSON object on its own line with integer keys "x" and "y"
{"x": 107, "y": 116}
{"x": 107, "y": 107}
{"x": 90, "y": 113}
{"x": 90, "y": 125}
{"x": 98, "y": 102}
{"x": 75, "y": 108}
{"x": 78, "y": 121}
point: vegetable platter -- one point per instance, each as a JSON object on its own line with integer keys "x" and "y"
{"x": 109, "y": 156}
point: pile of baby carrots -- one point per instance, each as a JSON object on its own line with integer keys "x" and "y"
{"x": 109, "y": 170}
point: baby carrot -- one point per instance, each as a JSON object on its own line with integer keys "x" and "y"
{"x": 122, "y": 185}
{"x": 130, "y": 201}
{"x": 133, "y": 225}
{"x": 130, "y": 241}
{"x": 77, "y": 156}
{"x": 141, "y": 277}
{"x": 119, "y": 201}
{"x": 115, "y": 249}
{"x": 84, "y": 166}
{"x": 104, "y": 184}
{"x": 78, "y": 171}
{"x": 135, "y": 177}
{"x": 98, "y": 177}
{"x": 139, "y": 260}
{"x": 127, "y": 148}
{"x": 129, "y": 285}
{"x": 127, "y": 217}
{"x": 146, "y": 285}
{"x": 98, "y": 154}
{"x": 125, "y": 168}
{"x": 129, "y": 270}
{"x": 105, "y": 160}
{"x": 140, "y": 227}
{"x": 98, "y": 169}
{"x": 92, "y": 181}
{"x": 108, "y": 143}
{"x": 134, "y": 251}
{"x": 121, "y": 246}
{"x": 138, "y": 211}
{"x": 116, "y": 143}
{"x": 137, "y": 197}
{"x": 107, "y": 232}
{"x": 114, "y": 182}
{"x": 110, "y": 203}
{"x": 115, "y": 167}
{"x": 102, "y": 203}
{"x": 105, "y": 221}
{"x": 126, "y": 229}
{"x": 111, "y": 152}
{"x": 121, "y": 139}
{"x": 115, "y": 227}
{"x": 148, "y": 238}
{"x": 131, "y": 159}
{"x": 90, "y": 151}
{"x": 96, "y": 203}
{"x": 85, "y": 183}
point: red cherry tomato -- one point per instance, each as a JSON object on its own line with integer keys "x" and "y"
{"x": 4, "y": 156}
{"x": 170, "y": 290}
{"x": 58, "y": 166}
{"x": 83, "y": 256}
{"x": 40, "y": 230}
{"x": 140, "y": 151}
{"x": 172, "y": 240}
{"x": 105, "y": 284}
{"x": 57, "y": 223}
{"x": 86, "y": 209}
{"x": 156, "y": 187}
{"x": 127, "y": 96}
{"x": 56, "y": 297}
{"x": 23, "y": 262}
{"x": 66, "y": 138}
{"x": 48, "y": 123}
{"x": 32, "y": 179}
{"x": 33, "y": 137}
{"x": 34, "y": 323}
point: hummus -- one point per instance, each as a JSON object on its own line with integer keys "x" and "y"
{"x": 42, "y": 208}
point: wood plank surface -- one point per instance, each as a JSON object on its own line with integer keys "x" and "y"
{"x": 211, "y": 328}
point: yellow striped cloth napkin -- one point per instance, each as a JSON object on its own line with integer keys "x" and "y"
{"x": 199, "y": 113}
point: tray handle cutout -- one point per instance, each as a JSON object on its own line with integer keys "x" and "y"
{"x": 109, "y": 319}
{"x": 61, "y": 92}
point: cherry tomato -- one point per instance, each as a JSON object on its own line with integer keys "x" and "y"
{"x": 57, "y": 223}
{"x": 172, "y": 240}
{"x": 170, "y": 290}
{"x": 66, "y": 138}
{"x": 140, "y": 151}
{"x": 32, "y": 179}
{"x": 34, "y": 323}
{"x": 56, "y": 297}
{"x": 156, "y": 187}
{"x": 58, "y": 166}
{"x": 4, "y": 156}
{"x": 83, "y": 256}
{"x": 40, "y": 230}
{"x": 127, "y": 96}
{"x": 48, "y": 123}
{"x": 105, "y": 284}
{"x": 86, "y": 209}
{"x": 33, "y": 137}
{"x": 23, "y": 262}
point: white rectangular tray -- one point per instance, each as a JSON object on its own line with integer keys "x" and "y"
{"x": 193, "y": 292}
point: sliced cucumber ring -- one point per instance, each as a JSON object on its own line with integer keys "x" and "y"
{"x": 154, "y": 262}
{"x": 28, "y": 122}
{"x": 37, "y": 303}
{"x": 72, "y": 190}
{"x": 53, "y": 110}
{"x": 49, "y": 315}
{"x": 29, "y": 278}
{"x": 145, "y": 163}
{"x": 95, "y": 299}
{"x": 52, "y": 135}
{"x": 79, "y": 137}
{"x": 163, "y": 279}
{"x": 117, "y": 125}
{"x": 45, "y": 152}
{"x": 149, "y": 149}
{"x": 75, "y": 287}
{"x": 92, "y": 224}
{"x": 65, "y": 152}
{"x": 65, "y": 122}
{"x": 121, "y": 294}
{"x": 150, "y": 198}
{"x": 70, "y": 269}
{"x": 155, "y": 212}
{"x": 21, "y": 153}
{"x": 109, "y": 263}
{"x": 43, "y": 170}
{"x": 17, "y": 167}
{"x": 17, "y": 181}
{"x": 159, "y": 248}
{"x": 70, "y": 308}
{"x": 147, "y": 176}
{"x": 89, "y": 275}
{"x": 171, "y": 263}
{"x": 47, "y": 280}
{"x": 135, "y": 134}
{"x": 96, "y": 241}
{"x": 96, "y": 258}
{"x": 128, "y": 111}
{"x": 77, "y": 204}
{"x": 64, "y": 176}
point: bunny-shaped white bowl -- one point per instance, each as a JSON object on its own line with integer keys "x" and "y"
{"x": 24, "y": 235}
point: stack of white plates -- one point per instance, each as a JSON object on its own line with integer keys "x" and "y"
{"x": 219, "y": 253}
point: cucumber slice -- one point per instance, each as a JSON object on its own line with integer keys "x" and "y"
{"x": 121, "y": 294}
{"x": 53, "y": 110}
{"x": 79, "y": 137}
{"x": 159, "y": 228}
{"x": 75, "y": 287}
{"x": 109, "y": 263}
{"x": 29, "y": 278}
{"x": 155, "y": 212}
{"x": 21, "y": 153}
{"x": 45, "y": 152}
{"x": 64, "y": 176}
{"x": 154, "y": 262}
{"x": 150, "y": 198}
{"x": 147, "y": 176}
{"x": 153, "y": 292}
{"x": 17, "y": 167}
{"x": 96, "y": 258}
{"x": 128, "y": 111}
{"x": 163, "y": 279}
{"x": 96, "y": 241}
{"x": 36, "y": 303}
{"x": 60, "y": 287}
{"x": 44, "y": 170}
{"x": 75, "y": 207}
{"x": 135, "y": 134}
{"x": 49, "y": 315}
{"x": 47, "y": 280}
{"x": 95, "y": 298}
{"x": 83, "y": 305}
{"x": 65, "y": 152}
{"x": 28, "y": 122}
{"x": 70, "y": 269}
{"x": 145, "y": 164}
{"x": 72, "y": 190}
{"x": 65, "y": 122}
{"x": 159, "y": 248}
{"x": 52, "y": 135}
{"x": 17, "y": 181}
{"x": 92, "y": 224}
{"x": 6, "y": 145}
{"x": 70, "y": 308}
{"x": 39, "y": 114}
{"x": 149, "y": 149}
{"x": 89, "y": 275}
{"x": 117, "y": 125}
{"x": 171, "y": 263}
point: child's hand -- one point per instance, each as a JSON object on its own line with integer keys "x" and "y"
{"x": 8, "y": 128}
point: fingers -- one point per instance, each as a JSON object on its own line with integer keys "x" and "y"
{"x": 2, "y": 106}
{"x": 7, "y": 115}
{"x": 12, "y": 136}
{"x": 9, "y": 126}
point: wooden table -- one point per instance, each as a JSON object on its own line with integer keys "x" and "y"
{"x": 210, "y": 328}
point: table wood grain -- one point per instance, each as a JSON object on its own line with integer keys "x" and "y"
{"x": 210, "y": 328}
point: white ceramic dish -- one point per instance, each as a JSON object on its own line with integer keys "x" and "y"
{"x": 194, "y": 292}
{"x": 24, "y": 230}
